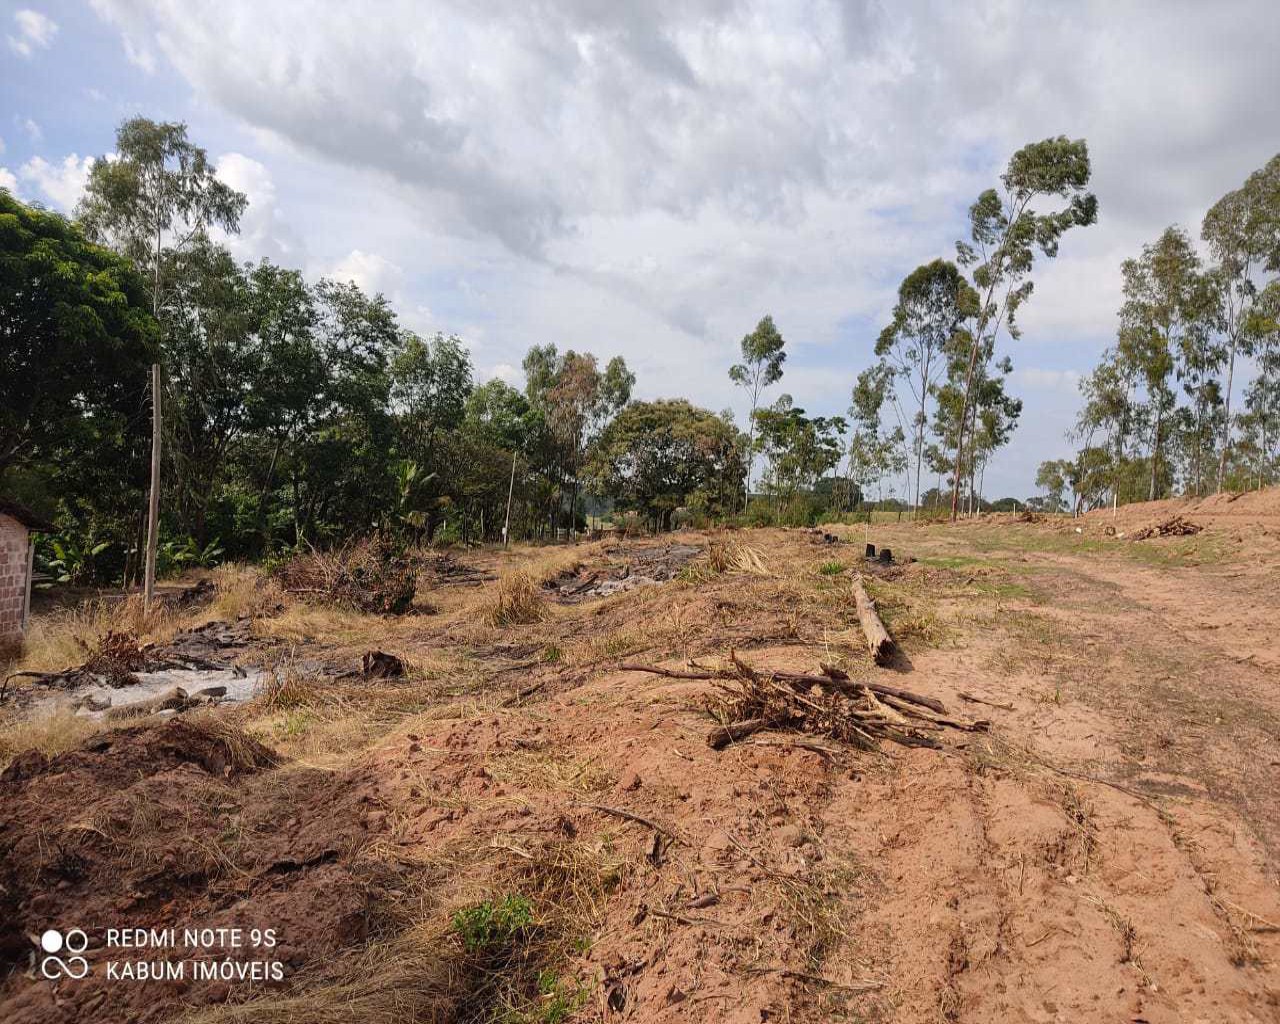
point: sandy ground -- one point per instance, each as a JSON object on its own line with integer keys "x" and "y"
{"x": 1107, "y": 852}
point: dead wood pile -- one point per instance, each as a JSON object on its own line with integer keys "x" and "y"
{"x": 369, "y": 577}
{"x": 747, "y": 701}
{"x": 1174, "y": 526}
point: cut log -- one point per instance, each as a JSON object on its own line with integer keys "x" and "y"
{"x": 879, "y": 642}
{"x": 722, "y": 735}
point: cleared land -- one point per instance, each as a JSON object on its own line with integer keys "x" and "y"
{"x": 519, "y": 829}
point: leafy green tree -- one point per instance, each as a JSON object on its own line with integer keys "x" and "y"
{"x": 1005, "y": 232}
{"x": 800, "y": 450}
{"x": 496, "y": 414}
{"x": 1166, "y": 322}
{"x": 934, "y": 301}
{"x": 160, "y": 191}
{"x": 214, "y": 359}
{"x": 761, "y": 367}
{"x": 430, "y": 384}
{"x": 75, "y": 337}
{"x": 1243, "y": 232}
{"x": 579, "y": 403}
{"x": 659, "y": 456}
{"x": 1053, "y": 478}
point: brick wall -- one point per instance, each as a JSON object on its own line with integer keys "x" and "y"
{"x": 13, "y": 577}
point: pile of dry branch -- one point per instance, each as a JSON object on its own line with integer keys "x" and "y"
{"x": 369, "y": 577}
{"x": 1175, "y": 526}
{"x": 116, "y": 659}
{"x": 747, "y": 701}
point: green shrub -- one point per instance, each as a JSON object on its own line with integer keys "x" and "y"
{"x": 490, "y": 925}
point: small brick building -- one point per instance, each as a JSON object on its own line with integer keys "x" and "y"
{"x": 16, "y": 550}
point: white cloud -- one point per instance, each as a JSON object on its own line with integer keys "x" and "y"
{"x": 1032, "y": 378}
{"x": 33, "y": 130}
{"x": 62, "y": 183}
{"x": 373, "y": 273}
{"x": 8, "y": 181}
{"x": 1, "y": 147}
{"x": 649, "y": 179}
{"x": 263, "y": 229}
{"x": 35, "y": 31}
{"x": 133, "y": 31}
{"x": 501, "y": 371}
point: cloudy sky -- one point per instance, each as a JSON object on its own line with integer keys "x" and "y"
{"x": 650, "y": 178}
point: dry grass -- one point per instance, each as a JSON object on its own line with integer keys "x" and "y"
{"x": 515, "y": 600}
{"x": 59, "y": 639}
{"x": 50, "y": 734}
{"x": 733, "y": 556}
{"x": 550, "y": 770}
{"x": 423, "y": 973}
{"x": 243, "y": 591}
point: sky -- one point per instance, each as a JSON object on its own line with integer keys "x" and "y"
{"x": 649, "y": 179}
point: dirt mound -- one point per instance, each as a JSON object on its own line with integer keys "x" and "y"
{"x": 185, "y": 824}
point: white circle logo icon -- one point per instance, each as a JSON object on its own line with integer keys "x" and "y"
{"x": 74, "y": 942}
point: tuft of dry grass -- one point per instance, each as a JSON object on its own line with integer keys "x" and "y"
{"x": 243, "y": 591}
{"x": 50, "y": 734}
{"x": 516, "y": 599}
{"x": 59, "y": 639}
{"x": 733, "y": 556}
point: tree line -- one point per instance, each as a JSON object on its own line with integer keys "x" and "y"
{"x": 303, "y": 412}
{"x": 1159, "y": 413}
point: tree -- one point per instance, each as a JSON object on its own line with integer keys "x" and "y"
{"x": 75, "y": 335}
{"x": 659, "y": 456}
{"x": 1243, "y": 232}
{"x": 1166, "y": 322}
{"x": 160, "y": 188}
{"x": 761, "y": 367}
{"x": 214, "y": 359}
{"x": 496, "y": 415}
{"x": 1005, "y": 233}
{"x": 800, "y": 449}
{"x": 1053, "y": 478}
{"x": 874, "y": 452}
{"x": 430, "y": 385}
{"x": 934, "y": 300}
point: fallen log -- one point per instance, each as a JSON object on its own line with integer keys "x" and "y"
{"x": 722, "y": 735}
{"x": 879, "y": 642}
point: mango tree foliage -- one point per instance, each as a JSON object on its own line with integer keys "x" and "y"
{"x": 656, "y": 457}
{"x": 76, "y": 339}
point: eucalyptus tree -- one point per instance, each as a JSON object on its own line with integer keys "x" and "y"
{"x": 761, "y": 367}
{"x": 874, "y": 451}
{"x": 1242, "y": 230}
{"x": 800, "y": 449}
{"x": 1108, "y": 407}
{"x": 934, "y": 302}
{"x": 159, "y": 191}
{"x": 1166, "y": 322}
{"x": 1006, "y": 232}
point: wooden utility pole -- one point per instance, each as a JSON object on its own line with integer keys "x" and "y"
{"x": 153, "y": 511}
{"x": 511, "y": 487}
